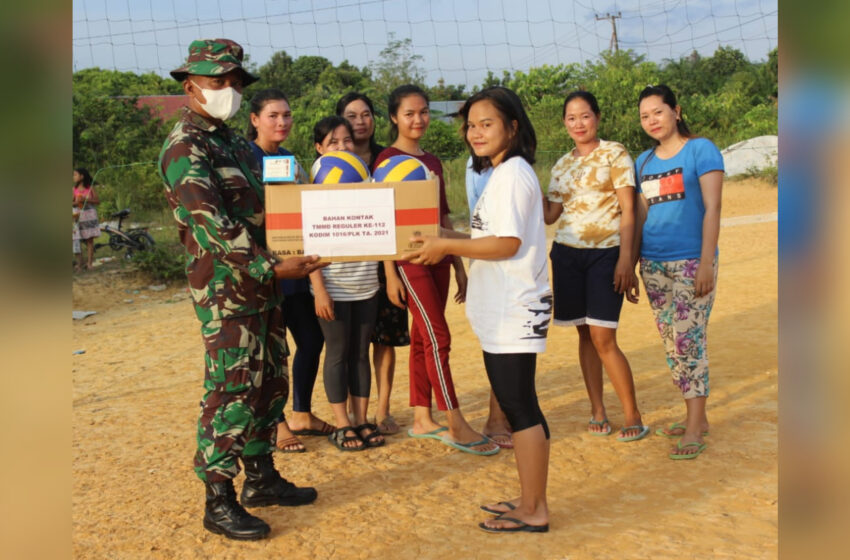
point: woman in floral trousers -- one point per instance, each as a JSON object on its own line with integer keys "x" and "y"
{"x": 678, "y": 217}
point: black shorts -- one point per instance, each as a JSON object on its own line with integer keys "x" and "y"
{"x": 583, "y": 285}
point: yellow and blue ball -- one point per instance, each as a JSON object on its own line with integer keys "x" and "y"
{"x": 400, "y": 168}
{"x": 339, "y": 167}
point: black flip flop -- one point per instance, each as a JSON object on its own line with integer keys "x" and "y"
{"x": 508, "y": 505}
{"x": 521, "y": 527}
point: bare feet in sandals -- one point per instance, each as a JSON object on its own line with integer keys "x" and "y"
{"x": 511, "y": 518}
{"x": 497, "y": 427}
{"x": 285, "y": 440}
{"x": 388, "y": 425}
{"x": 307, "y": 424}
{"x": 370, "y": 434}
{"x": 499, "y": 508}
{"x": 677, "y": 429}
{"x": 599, "y": 424}
{"x": 346, "y": 439}
{"x": 464, "y": 435}
{"x": 499, "y": 433}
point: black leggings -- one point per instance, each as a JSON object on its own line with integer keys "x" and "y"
{"x": 347, "y": 341}
{"x": 512, "y": 379}
{"x": 299, "y": 316}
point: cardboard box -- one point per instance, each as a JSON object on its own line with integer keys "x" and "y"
{"x": 416, "y": 212}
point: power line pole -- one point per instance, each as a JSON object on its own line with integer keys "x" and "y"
{"x": 614, "y": 45}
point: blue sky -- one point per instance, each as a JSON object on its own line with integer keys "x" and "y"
{"x": 459, "y": 40}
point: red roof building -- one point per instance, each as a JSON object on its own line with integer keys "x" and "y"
{"x": 163, "y": 106}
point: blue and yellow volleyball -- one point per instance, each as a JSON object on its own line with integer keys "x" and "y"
{"x": 339, "y": 167}
{"x": 400, "y": 168}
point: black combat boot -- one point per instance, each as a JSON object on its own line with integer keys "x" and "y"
{"x": 224, "y": 516}
{"x": 265, "y": 487}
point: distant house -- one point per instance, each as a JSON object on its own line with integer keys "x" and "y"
{"x": 163, "y": 106}
{"x": 446, "y": 111}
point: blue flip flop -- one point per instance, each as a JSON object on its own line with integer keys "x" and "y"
{"x": 673, "y": 426}
{"x": 593, "y": 422}
{"x": 700, "y": 447}
{"x": 644, "y": 431}
{"x": 467, "y": 447}
{"x": 433, "y": 434}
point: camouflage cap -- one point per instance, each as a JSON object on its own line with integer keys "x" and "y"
{"x": 213, "y": 57}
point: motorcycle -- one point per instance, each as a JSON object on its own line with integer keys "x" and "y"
{"x": 132, "y": 241}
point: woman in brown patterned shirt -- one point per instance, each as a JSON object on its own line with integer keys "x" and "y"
{"x": 591, "y": 195}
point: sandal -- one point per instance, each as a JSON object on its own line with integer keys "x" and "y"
{"x": 339, "y": 439}
{"x": 388, "y": 426}
{"x": 605, "y": 431}
{"x": 324, "y": 430}
{"x": 508, "y": 505}
{"x": 503, "y": 444}
{"x": 672, "y": 427}
{"x": 369, "y": 439}
{"x": 283, "y": 444}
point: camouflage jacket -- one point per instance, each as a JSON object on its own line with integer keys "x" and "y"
{"x": 212, "y": 186}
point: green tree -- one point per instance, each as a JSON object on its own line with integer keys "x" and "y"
{"x": 444, "y": 140}
{"x": 725, "y": 62}
{"x": 768, "y": 75}
{"x": 443, "y": 92}
{"x": 115, "y": 139}
{"x": 492, "y": 80}
{"x": 724, "y": 97}
{"x": 94, "y": 81}
{"x": 543, "y": 80}
{"x": 397, "y": 65}
{"x": 685, "y": 76}
{"x": 277, "y": 72}
{"x": 616, "y": 80}
{"x": 293, "y": 77}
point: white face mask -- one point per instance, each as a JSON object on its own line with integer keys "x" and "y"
{"x": 221, "y": 104}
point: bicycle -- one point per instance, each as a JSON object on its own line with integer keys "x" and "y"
{"x": 131, "y": 241}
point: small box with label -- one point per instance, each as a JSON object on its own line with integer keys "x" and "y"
{"x": 279, "y": 169}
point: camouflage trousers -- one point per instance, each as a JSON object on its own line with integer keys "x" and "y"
{"x": 247, "y": 382}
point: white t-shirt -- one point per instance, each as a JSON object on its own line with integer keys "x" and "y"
{"x": 509, "y": 302}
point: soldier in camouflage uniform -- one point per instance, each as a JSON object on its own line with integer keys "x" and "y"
{"x": 212, "y": 185}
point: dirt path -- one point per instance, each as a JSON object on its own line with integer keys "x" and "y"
{"x": 135, "y": 402}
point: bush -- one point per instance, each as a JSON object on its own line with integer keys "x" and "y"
{"x": 454, "y": 172}
{"x": 768, "y": 174}
{"x": 165, "y": 263}
{"x": 444, "y": 140}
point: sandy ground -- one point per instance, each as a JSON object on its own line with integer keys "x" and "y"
{"x": 135, "y": 402}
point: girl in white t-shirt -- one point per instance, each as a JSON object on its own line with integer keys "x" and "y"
{"x": 509, "y": 301}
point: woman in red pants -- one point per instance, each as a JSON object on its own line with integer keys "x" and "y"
{"x": 426, "y": 290}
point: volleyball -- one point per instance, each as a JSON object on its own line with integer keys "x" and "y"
{"x": 339, "y": 167}
{"x": 400, "y": 168}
